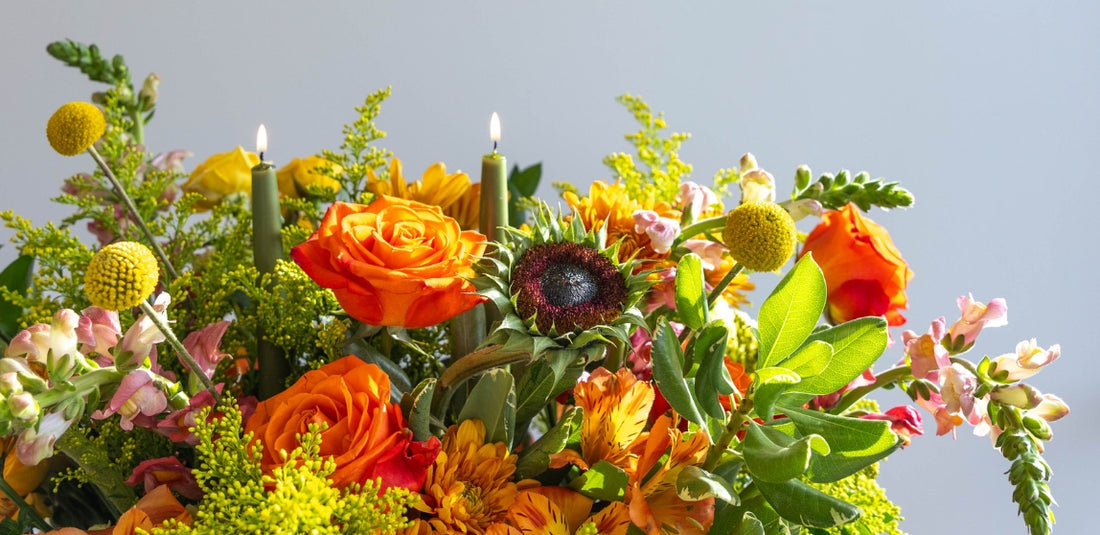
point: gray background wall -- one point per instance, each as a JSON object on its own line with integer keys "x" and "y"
{"x": 988, "y": 111}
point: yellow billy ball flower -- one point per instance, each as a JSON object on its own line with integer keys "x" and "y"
{"x": 121, "y": 275}
{"x": 74, "y": 127}
{"x": 760, "y": 235}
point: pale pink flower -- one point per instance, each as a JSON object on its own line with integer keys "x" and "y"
{"x": 662, "y": 231}
{"x": 946, "y": 421}
{"x": 640, "y": 359}
{"x": 957, "y": 390}
{"x": 975, "y": 317}
{"x": 1051, "y": 408}
{"x": 172, "y": 160}
{"x": 1027, "y": 361}
{"x": 695, "y": 198}
{"x": 924, "y": 351}
{"x": 803, "y": 208}
{"x": 166, "y": 471}
{"x": 984, "y": 425}
{"x": 98, "y": 331}
{"x": 34, "y": 445}
{"x": 643, "y": 219}
{"x": 1021, "y": 395}
{"x": 662, "y": 293}
{"x": 177, "y": 425}
{"x": 709, "y": 251}
{"x": 24, "y": 407}
{"x": 757, "y": 185}
{"x": 37, "y": 341}
{"x": 143, "y": 336}
{"x": 137, "y": 394}
{"x": 203, "y": 346}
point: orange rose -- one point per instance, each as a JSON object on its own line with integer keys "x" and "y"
{"x": 366, "y": 434}
{"x": 394, "y": 262}
{"x": 864, "y": 273}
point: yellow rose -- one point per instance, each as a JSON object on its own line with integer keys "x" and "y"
{"x": 222, "y": 175}
{"x": 301, "y": 172}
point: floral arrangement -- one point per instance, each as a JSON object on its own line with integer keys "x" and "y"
{"x": 387, "y": 368}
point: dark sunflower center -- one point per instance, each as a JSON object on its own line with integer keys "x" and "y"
{"x": 566, "y": 285}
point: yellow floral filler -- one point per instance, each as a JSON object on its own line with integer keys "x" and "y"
{"x": 760, "y": 235}
{"x": 74, "y": 127}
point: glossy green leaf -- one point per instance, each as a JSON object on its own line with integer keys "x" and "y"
{"x": 749, "y": 525}
{"x": 603, "y": 481}
{"x": 802, "y": 504}
{"x": 694, "y": 484}
{"x": 810, "y": 359}
{"x": 691, "y": 295}
{"x": 535, "y": 459}
{"x": 712, "y": 379}
{"x": 790, "y": 313}
{"x": 770, "y": 384}
{"x": 419, "y": 409}
{"x": 521, "y": 183}
{"x": 768, "y": 460}
{"x": 856, "y": 443}
{"x": 669, "y": 375}
{"x": 17, "y": 278}
{"x": 493, "y": 401}
{"x": 856, "y": 344}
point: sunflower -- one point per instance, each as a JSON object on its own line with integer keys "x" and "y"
{"x": 610, "y": 208}
{"x": 469, "y": 487}
{"x": 558, "y": 287}
{"x": 453, "y": 192}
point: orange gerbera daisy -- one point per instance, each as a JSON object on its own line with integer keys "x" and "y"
{"x": 469, "y": 487}
{"x": 652, "y": 501}
{"x": 616, "y": 408}
{"x": 612, "y": 205}
{"x": 453, "y": 192}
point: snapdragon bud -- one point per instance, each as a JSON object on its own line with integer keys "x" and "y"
{"x": 1020, "y": 395}
{"x": 1038, "y": 427}
{"x": 24, "y": 407}
{"x": 748, "y": 161}
{"x": 10, "y": 384}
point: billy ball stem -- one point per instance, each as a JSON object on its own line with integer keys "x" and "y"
{"x": 181, "y": 351}
{"x": 168, "y": 268}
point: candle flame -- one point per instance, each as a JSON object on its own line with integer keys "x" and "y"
{"x": 494, "y": 128}
{"x": 261, "y": 139}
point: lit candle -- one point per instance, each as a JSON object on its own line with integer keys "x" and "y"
{"x": 494, "y": 187}
{"x": 266, "y": 219}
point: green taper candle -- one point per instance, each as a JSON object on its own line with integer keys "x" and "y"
{"x": 494, "y": 187}
{"x": 267, "y": 248}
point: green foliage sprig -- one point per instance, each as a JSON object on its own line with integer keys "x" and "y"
{"x": 357, "y": 155}
{"x": 835, "y": 191}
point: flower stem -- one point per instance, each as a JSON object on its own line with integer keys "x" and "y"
{"x": 181, "y": 351}
{"x": 475, "y": 363}
{"x": 168, "y": 268}
{"x": 890, "y": 376}
{"x": 712, "y": 298}
{"x": 702, "y": 226}
{"x": 737, "y": 419}
{"x": 139, "y": 125}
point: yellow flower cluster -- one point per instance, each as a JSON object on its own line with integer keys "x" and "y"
{"x": 121, "y": 275}
{"x": 760, "y": 235}
{"x": 74, "y": 127}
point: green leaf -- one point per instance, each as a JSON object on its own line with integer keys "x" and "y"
{"x": 802, "y": 504}
{"x": 493, "y": 401}
{"x": 522, "y": 183}
{"x": 603, "y": 481}
{"x": 790, "y": 313}
{"x": 534, "y": 389}
{"x": 419, "y": 408}
{"x": 712, "y": 379}
{"x": 768, "y": 460}
{"x": 16, "y": 278}
{"x": 535, "y": 459}
{"x": 669, "y": 375}
{"x": 749, "y": 525}
{"x": 856, "y": 443}
{"x": 810, "y": 359}
{"x": 770, "y": 384}
{"x": 856, "y": 344}
{"x": 691, "y": 295}
{"x": 694, "y": 484}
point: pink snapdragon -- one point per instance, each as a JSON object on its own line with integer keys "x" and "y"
{"x": 975, "y": 317}
{"x": 695, "y": 199}
{"x": 166, "y": 471}
{"x": 662, "y": 231}
{"x": 172, "y": 160}
{"x": 203, "y": 346}
{"x": 37, "y": 341}
{"x": 925, "y": 353}
{"x": 757, "y": 185}
{"x": 98, "y": 331}
{"x": 138, "y": 395}
{"x": 904, "y": 420}
{"x": 142, "y": 337}
{"x": 1028, "y": 359}
{"x": 177, "y": 425}
{"x": 34, "y": 445}
{"x": 709, "y": 251}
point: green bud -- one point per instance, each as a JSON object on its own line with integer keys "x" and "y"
{"x": 748, "y": 161}
{"x": 802, "y": 178}
{"x": 1038, "y": 427}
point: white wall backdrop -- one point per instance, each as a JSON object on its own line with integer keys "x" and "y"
{"x": 988, "y": 111}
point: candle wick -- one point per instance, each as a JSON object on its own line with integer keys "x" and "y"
{"x": 494, "y": 145}
{"x": 261, "y": 156}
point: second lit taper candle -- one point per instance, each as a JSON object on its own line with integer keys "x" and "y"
{"x": 494, "y": 187}
{"x": 266, "y": 219}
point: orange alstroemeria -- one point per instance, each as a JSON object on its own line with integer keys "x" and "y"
{"x": 152, "y": 510}
{"x": 560, "y": 511}
{"x": 652, "y": 501}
